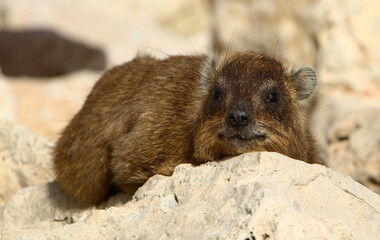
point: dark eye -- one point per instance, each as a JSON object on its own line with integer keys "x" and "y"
{"x": 217, "y": 94}
{"x": 273, "y": 97}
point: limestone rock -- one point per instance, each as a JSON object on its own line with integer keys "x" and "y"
{"x": 24, "y": 159}
{"x": 6, "y": 100}
{"x": 252, "y": 196}
{"x": 348, "y": 130}
{"x": 349, "y": 52}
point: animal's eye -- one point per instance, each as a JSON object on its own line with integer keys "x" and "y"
{"x": 273, "y": 97}
{"x": 217, "y": 94}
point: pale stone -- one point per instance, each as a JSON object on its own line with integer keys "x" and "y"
{"x": 252, "y": 196}
{"x": 348, "y": 130}
{"x": 6, "y": 100}
{"x": 25, "y": 159}
{"x": 348, "y": 55}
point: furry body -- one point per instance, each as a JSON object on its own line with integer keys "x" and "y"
{"x": 147, "y": 116}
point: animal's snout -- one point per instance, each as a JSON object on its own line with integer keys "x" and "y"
{"x": 238, "y": 118}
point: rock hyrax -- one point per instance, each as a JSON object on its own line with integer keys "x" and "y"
{"x": 147, "y": 116}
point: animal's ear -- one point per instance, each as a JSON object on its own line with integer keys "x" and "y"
{"x": 304, "y": 81}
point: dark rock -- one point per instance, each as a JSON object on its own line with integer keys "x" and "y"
{"x": 44, "y": 53}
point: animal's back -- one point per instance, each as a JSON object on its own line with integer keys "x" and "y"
{"x": 125, "y": 121}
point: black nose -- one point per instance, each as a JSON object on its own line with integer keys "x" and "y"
{"x": 237, "y": 118}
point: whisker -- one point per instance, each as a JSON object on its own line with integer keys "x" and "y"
{"x": 187, "y": 40}
{"x": 271, "y": 129}
{"x": 155, "y": 49}
{"x": 229, "y": 49}
{"x": 275, "y": 42}
{"x": 305, "y": 56}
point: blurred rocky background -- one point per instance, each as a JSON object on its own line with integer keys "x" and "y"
{"x": 53, "y": 51}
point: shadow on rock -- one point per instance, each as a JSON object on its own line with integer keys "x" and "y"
{"x": 60, "y": 200}
{"x": 44, "y": 53}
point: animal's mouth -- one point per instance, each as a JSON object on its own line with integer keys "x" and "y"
{"x": 249, "y": 137}
{"x": 238, "y": 142}
{"x": 244, "y": 137}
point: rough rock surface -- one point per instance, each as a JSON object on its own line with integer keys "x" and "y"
{"x": 348, "y": 50}
{"x": 252, "y": 196}
{"x": 24, "y": 159}
{"x": 6, "y": 100}
{"x": 349, "y": 134}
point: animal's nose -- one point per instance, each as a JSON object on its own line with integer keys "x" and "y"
{"x": 237, "y": 118}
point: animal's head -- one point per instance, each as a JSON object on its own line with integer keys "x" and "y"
{"x": 252, "y": 104}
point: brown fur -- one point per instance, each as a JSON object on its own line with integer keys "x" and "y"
{"x": 147, "y": 116}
